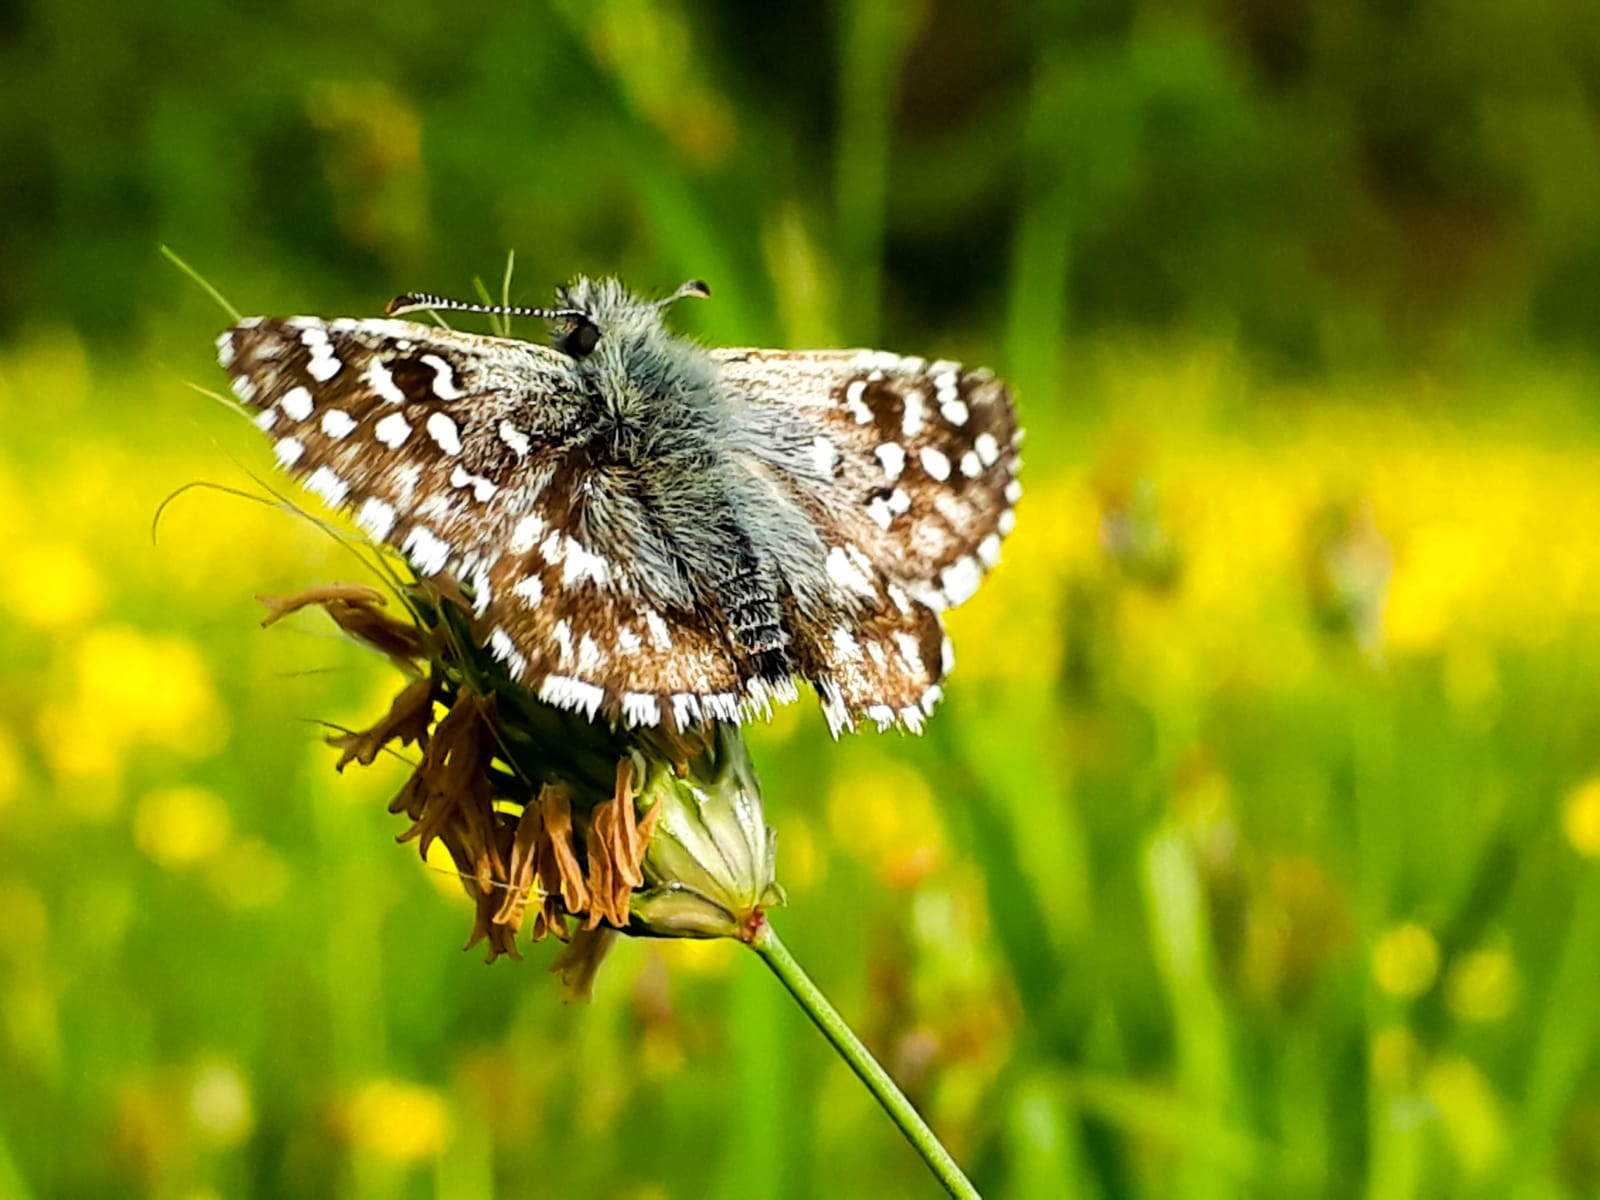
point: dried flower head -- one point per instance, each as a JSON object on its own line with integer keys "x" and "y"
{"x": 571, "y": 827}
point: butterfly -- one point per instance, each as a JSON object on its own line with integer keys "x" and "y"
{"x": 650, "y": 531}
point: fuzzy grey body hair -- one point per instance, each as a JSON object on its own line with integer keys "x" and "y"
{"x": 683, "y": 489}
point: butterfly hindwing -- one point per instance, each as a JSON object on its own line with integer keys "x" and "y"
{"x": 922, "y": 456}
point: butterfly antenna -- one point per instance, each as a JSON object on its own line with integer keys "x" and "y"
{"x": 698, "y": 288}
{"x": 424, "y": 301}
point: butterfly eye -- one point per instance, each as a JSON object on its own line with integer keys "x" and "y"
{"x": 581, "y": 339}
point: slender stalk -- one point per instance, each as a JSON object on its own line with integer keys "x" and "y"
{"x": 887, "y": 1093}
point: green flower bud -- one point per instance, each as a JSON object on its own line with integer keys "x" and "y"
{"x": 709, "y": 865}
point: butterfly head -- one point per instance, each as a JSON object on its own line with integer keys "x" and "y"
{"x": 593, "y": 311}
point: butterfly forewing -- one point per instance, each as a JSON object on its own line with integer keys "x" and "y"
{"x": 426, "y": 437}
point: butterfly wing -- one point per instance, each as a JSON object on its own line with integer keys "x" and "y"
{"x": 914, "y": 490}
{"x": 452, "y": 448}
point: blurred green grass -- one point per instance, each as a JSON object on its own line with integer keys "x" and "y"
{"x": 1253, "y": 851}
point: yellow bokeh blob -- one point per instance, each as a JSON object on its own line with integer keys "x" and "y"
{"x": 1581, "y": 817}
{"x": 179, "y": 827}
{"x": 884, "y": 813}
{"x": 1396, "y": 1057}
{"x": 1405, "y": 961}
{"x": 57, "y": 587}
{"x": 400, "y": 1122}
{"x": 1483, "y": 986}
{"x": 10, "y": 767}
{"x": 1473, "y": 1122}
{"x": 219, "y": 1104}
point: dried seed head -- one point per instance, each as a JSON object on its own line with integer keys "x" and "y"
{"x": 581, "y": 827}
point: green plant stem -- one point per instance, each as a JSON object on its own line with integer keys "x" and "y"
{"x": 776, "y": 955}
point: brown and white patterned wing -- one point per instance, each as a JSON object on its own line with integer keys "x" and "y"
{"x": 922, "y": 456}
{"x": 914, "y": 487}
{"x": 447, "y": 447}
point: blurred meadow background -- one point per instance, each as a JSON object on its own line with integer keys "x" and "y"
{"x": 1254, "y": 850}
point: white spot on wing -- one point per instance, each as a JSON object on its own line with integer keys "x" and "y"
{"x": 323, "y": 367}
{"x": 289, "y": 451}
{"x": 970, "y": 466}
{"x": 961, "y": 579}
{"x": 641, "y": 708}
{"x": 909, "y": 651}
{"x": 589, "y": 657}
{"x": 988, "y": 449}
{"x": 989, "y": 550}
{"x": 225, "y": 349}
{"x": 880, "y": 512}
{"x": 659, "y": 633}
{"x": 893, "y": 458}
{"x": 265, "y": 419}
{"x": 573, "y": 694}
{"x": 1007, "y": 522}
{"x": 916, "y": 414}
{"x": 685, "y": 709}
{"x": 954, "y": 410}
{"x": 525, "y": 534}
{"x": 833, "y": 706}
{"x": 376, "y": 517}
{"x": 328, "y": 485}
{"x": 443, "y": 431}
{"x": 580, "y": 564}
{"x": 482, "y": 590}
{"x": 296, "y": 403}
{"x": 515, "y": 438}
{"x": 444, "y": 379}
{"x": 853, "y": 401}
{"x": 563, "y": 635}
{"x": 934, "y": 463}
{"x": 483, "y": 489}
{"x": 845, "y": 644}
{"x": 503, "y": 648}
{"x": 383, "y": 383}
{"x": 530, "y": 588}
{"x": 392, "y": 431}
{"x": 1013, "y": 491}
{"x": 336, "y": 423}
{"x": 823, "y": 455}
{"x": 243, "y": 387}
{"x": 847, "y": 575}
{"x": 427, "y": 553}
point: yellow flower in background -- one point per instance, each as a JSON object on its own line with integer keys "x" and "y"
{"x": 1483, "y": 986}
{"x": 1471, "y": 1112}
{"x": 248, "y": 874}
{"x": 1405, "y": 961}
{"x": 884, "y": 813}
{"x": 10, "y": 767}
{"x": 179, "y": 827}
{"x": 128, "y": 688}
{"x": 66, "y": 589}
{"x": 401, "y": 1122}
{"x": 220, "y": 1107}
{"x": 1396, "y": 1057}
{"x": 1581, "y": 817}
